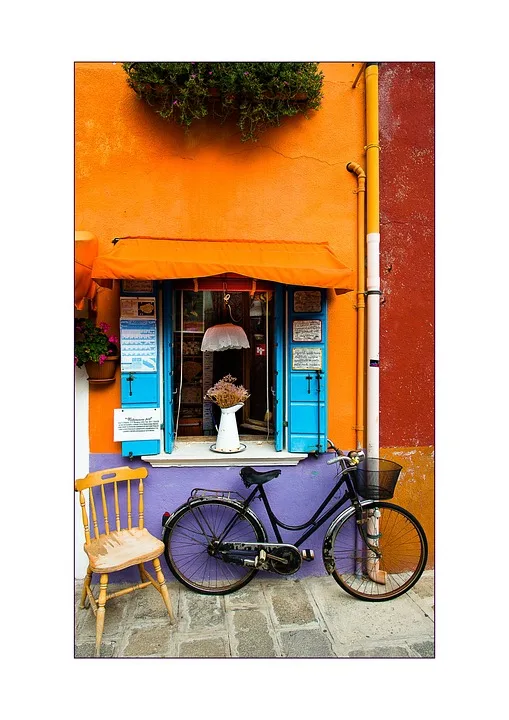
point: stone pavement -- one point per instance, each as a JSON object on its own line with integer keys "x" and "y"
{"x": 284, "y": 617}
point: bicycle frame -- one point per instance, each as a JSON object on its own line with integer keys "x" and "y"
{"x": 316, "y": 520}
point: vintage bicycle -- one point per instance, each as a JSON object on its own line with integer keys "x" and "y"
{"x": 215, "y": 543}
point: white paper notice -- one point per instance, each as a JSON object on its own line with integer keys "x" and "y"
{"x": 136, "y": 424}
{"x": 307, "y": 330}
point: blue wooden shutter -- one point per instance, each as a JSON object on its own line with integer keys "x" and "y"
{"x": 279, "y": 327}
{"x": 307, "y": 370}
{"x": 140, "y": 389}
{"x": 168, "y": 324}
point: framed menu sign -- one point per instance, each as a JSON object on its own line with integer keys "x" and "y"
{"x": 138, "y": 307}
{"x": 307, "y": 330}
{"x": 307, "y": 358}
{"x": 307, "y": 301}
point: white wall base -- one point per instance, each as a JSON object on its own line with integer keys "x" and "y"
{"x": 81, "y": 464}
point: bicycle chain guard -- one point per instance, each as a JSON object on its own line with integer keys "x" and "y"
{"x": 273, "y": 557}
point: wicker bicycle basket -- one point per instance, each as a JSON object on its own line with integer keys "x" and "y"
{"x": 375, "y": 478}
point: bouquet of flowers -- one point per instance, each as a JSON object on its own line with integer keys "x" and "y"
{"x": 93, "y": 343}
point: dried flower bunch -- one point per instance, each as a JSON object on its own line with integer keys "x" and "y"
{"x": 225, "y": 393}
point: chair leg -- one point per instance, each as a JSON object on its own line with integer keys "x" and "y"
{"x": 101, "y": 611}
{"x": 163, "y": 589}
{"x": 86, "y": 584}
{"x": 140, "y": 570}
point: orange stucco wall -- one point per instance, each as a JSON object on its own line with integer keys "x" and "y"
{"x": 415, "y": 490}
{"x": 137, "y": 174}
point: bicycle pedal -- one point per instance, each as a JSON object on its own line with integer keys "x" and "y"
{"x": 308, "y": 555}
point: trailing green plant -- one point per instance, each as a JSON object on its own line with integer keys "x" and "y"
{"x": 258, "y": 94}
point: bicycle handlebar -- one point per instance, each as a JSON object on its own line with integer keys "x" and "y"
{"x": 354, "y": 457}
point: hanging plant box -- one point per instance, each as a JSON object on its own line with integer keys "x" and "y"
{"x": 102, "y": 374}
{"x": 260, "y": 95}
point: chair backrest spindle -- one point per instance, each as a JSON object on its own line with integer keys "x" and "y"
{"x": 140, "y": 504}
{"x": 129, "y": 509}
{"x": 93, "y": 513}
{"x": 117, "y": 509}
{"x": 84, "y": 517}
{"x": 105, "y": 512}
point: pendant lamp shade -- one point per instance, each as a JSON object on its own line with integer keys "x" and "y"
{"x": 224, "y": 337}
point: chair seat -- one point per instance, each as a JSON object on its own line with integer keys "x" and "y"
{"x": 122, "y": 549}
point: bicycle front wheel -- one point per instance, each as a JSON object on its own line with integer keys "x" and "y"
{"x": 192, "y": 536}
{"x": 392, "y": 560}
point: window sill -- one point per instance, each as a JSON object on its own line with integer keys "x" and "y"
{"x": 196, "y": 453}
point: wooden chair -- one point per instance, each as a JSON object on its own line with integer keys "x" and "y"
{"x": 112, "y": 550}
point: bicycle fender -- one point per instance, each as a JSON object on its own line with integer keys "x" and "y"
{"x": 327, "y": 550}
{"x": 168, "y": 517}
{"x": 205, "y": 501}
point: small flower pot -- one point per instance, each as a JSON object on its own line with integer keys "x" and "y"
{"x": 102, "y": 374}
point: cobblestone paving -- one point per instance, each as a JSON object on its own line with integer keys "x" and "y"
{"x": 269, "y": 618}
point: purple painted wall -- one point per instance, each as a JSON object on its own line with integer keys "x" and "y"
{"x": 294, "y": 496}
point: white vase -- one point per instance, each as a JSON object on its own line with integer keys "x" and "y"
{"x": 228, "y": 434}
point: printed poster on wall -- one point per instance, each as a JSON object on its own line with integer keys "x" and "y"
{"x": 138, "y": 346}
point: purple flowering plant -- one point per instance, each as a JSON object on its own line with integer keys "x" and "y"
{"x": 258, "y": 95}
{"x": 93, "y": 342}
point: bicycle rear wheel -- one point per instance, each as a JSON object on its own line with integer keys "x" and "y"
{"x": 191, "y": 538}
{"x": 401, "y": 542}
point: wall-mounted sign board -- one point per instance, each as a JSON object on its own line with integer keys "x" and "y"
{"x": 138, "y": 286}
{"x": 136, "y": 424}
{"x": 307, "y": 358}
{"x": 138, "y": 345}
{"x": 138, "y": 307}
{"x": 307, "y": 331}
{"x": 307, "y": 301}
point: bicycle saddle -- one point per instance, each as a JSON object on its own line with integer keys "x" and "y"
{"x": 250, "y": 476}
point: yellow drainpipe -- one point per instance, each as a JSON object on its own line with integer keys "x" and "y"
{"x": 361, "y": 302}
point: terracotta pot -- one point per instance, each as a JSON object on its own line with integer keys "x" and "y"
{"x": 102, "y": 373}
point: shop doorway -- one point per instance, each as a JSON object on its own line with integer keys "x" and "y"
{"x": 196, "y": 371}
